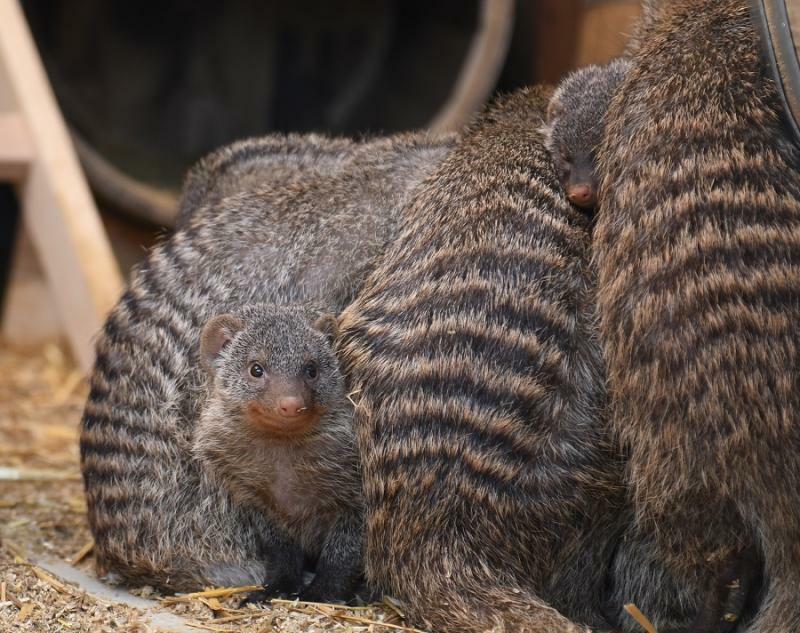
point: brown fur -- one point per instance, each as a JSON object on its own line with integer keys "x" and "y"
{"x": 697, "y": 246}
{"x": 479, "y": 387}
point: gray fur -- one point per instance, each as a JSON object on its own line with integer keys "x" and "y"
{"x": 245, "y": 165}
{"x": 157, "y": 516}
{"x": 309, "y": 484}
{"x": 575, "y": 123}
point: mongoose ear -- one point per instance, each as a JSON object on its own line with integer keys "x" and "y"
{"x": 217, "y": 333}
{"x": 328, "y": 325}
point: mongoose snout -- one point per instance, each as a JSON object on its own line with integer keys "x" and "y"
{"x": 582, "y": 195}
{"x": 291, "y": 406}
{"x": 279, "y": 421}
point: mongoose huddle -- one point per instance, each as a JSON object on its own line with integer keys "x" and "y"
{"x": 156, "y": 514}
{"x": 277, "y": 431}
{"x": 504, "y": 487}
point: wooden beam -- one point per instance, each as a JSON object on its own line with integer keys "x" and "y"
{"x": 556, "y": 28}
{"x": 58, "y": 211}
{"x": 604, "y": 31}
{"x": 29, "y": 317}
{"x": 16, "y": 147}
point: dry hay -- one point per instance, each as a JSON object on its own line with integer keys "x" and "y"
{"x": 43, "y": 517}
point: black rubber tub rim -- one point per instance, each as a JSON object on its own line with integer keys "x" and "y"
{"x": 772, "y": 22}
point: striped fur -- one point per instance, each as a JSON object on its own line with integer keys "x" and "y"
{"x": 472, "y": 351}
{"x": 245, "y": 165}
{"x": 156, "y": 516}
{"x": 698, "y": 252}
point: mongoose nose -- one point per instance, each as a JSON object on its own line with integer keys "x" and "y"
{"x": 581, "y": 195}
{"x": 291, "y": 406}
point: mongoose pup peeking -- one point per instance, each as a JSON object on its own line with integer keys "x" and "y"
{"x": 277, "y": 431}
{"x": 575, "y": 123}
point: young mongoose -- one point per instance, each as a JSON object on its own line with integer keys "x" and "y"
{"x": 157, "y": 517}
{"x": 697, "y": 247}
{"x": 277, "y": 432}
{"x": 478, "y": 381}
{"x": 574, "y": 130}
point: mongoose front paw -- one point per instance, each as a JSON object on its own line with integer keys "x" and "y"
{"x": 268, "y": 592}
{"x": 324, "y": 588}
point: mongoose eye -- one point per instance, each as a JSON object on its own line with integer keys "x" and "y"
{"x": 256, "y": 370}
{"x": 310, "y": 370}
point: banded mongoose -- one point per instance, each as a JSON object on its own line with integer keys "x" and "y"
{"x": 478, "y": 382}
{"x": 277, "y": 432}
{"x": 156, "y": 516}
{"x": 574, "y": 129}
{"x": 697, "y": 247}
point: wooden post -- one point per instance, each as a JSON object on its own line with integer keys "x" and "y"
{"x": 604, "y": 30}
{"x": 556, "y": 35}
{"x": 58, "y": 211}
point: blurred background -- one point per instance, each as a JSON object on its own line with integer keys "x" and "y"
{"x": 149, "y": 87}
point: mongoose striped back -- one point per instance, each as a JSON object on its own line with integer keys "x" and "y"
{"x": 246, "y": 165}
{"x": 698, "y": 250}
{"x": 478, "y": 381}
{"x": 155, "y": 515}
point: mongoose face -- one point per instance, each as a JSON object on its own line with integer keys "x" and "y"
{"x": 575, "y": 123}
{"x": 275, "y": 366}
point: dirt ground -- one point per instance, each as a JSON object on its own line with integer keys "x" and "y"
{"x": 47, "y": 580}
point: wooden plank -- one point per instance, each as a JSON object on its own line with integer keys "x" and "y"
{"x": 29, "y": 316}
{"x": 58, "y": 209}
{"x": 16, "y": 147}
{"x": 7, "y": 102}
{"x": 604, "y": 30}
{"x": 556, "y": 27}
